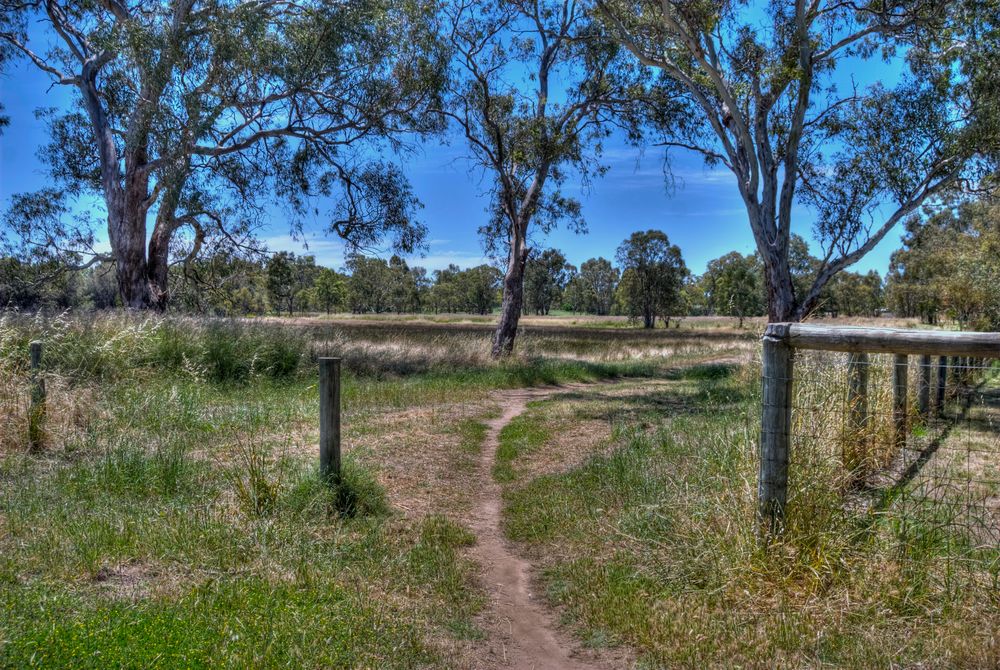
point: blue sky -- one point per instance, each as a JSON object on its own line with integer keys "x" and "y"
{"x": 702, "y": 212}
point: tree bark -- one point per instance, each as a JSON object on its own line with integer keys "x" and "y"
{"x": 158, "y": 266}
{"x": 513, "y": 300}
{"x": 648, "y": 319}
{"x": 781, "y": 303}
{"x": 128, "y": 243}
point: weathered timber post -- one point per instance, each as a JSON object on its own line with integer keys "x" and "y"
{"x": 775, "y": 431}
{"x": 899, "y": 400}
{"x": 924, "y": 391}
{"x": 36, "y": 410}
{"x": 942, "y": 382}
{"x": 855, "y": 445}
{"x": 329, "y": 420}
{"x": 956, "y": 375}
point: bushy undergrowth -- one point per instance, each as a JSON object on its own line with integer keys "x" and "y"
{"x": 116, "y": 345}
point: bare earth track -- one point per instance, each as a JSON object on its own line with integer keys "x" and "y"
{"x": 530, "y": 635}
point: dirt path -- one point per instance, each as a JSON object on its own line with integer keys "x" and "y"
{"x": 531, "y": 639}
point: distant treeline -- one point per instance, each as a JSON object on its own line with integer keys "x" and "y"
{"x": 648, "y": 281}
{"x": 947, "y": 268}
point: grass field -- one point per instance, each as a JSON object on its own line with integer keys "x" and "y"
{"x": 172, "y": 515}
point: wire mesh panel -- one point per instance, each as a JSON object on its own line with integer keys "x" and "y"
{"x": 902, "y": 450}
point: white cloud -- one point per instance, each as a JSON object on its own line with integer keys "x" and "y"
{"x": 439, "y": 261}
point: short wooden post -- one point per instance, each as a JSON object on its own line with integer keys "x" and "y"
{"x": 854, "y": 446}
{"x": 36, "y": 410}
{"x": 329, "y": 419}
{"x": 899, "y": 398}
{"x": 924, "y": 392}
{"x": 775, "y": 431}
{"x": 942, "y": 382}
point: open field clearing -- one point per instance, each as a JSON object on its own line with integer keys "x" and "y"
{"x": 589, "y": 503}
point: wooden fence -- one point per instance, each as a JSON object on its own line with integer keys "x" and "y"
{"x": 939, "y": 350}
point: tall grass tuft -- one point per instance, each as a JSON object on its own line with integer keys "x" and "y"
{"x": 256, "y": 483}
{"x": 108, "y": 346}
{"x": 357, "y": 494}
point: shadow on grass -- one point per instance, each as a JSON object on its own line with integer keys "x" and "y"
{"x": 888, "y": 494}
{"x": 355, "y": 494}
{"x": 708, "y": 388}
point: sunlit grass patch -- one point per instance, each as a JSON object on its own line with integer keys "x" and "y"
{"x": 519, "y": 437}
{"x": 177, "y": 507}
{"x": 653, "y": 545}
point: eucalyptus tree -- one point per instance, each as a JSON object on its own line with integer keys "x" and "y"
{"x": 653, "y": 276}
{"x": 597, "y": 282}
{"x": 772, "y": 87}
{"x": 331, "y": 289}
{"x": 535, "y": 89}
{"x": 480, "y": 285}
{"x": 197, "y": 115}
{"x": 545, "y": 276}
{"x": 734, "y": 283}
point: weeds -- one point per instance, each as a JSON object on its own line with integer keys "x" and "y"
{"x": 254, "y": 483}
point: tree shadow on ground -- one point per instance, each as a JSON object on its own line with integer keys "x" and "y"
{"x": 696, "y": 390}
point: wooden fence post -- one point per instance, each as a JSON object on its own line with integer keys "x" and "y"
{"x": 924, "y": 392}
{"x": 900, "y": 410}
{"x": 775, "y": 431}
{"x": 36, "y": 410}
{"x": 329, "y": 419}
{"x": 857, "y": 401}
{"x": 955, "y": 368}
{"x": 942, "y": 382}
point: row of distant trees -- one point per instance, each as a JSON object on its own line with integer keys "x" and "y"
{"x": 949, "y": 268}
{"x": 647, "y": 280}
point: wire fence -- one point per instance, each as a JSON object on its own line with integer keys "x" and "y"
{"x": 904, "y": 450}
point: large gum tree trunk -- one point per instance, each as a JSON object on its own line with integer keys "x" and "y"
{"x": 158, "y": 267}
{"x": 781, "y": 304}
{"x": 513, "y": 300}
{"x": 127, "y": 233}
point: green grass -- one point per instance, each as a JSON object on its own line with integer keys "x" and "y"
{"x": 653, "y": 546}
{"x": 310, "y": 617}
{"x": 175, "y": 517}
{"x": 522, "y": 436}
{"x": 185, "y": 495}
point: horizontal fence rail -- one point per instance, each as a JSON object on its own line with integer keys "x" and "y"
{"x": 937, "y": 365}
{"x": 885, "y": 340}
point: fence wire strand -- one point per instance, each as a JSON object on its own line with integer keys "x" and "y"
{"x": 920, "y": 469}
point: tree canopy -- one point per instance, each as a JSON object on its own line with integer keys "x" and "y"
{"x": 192, "y": 112}
{"x": 765, "y": 83}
